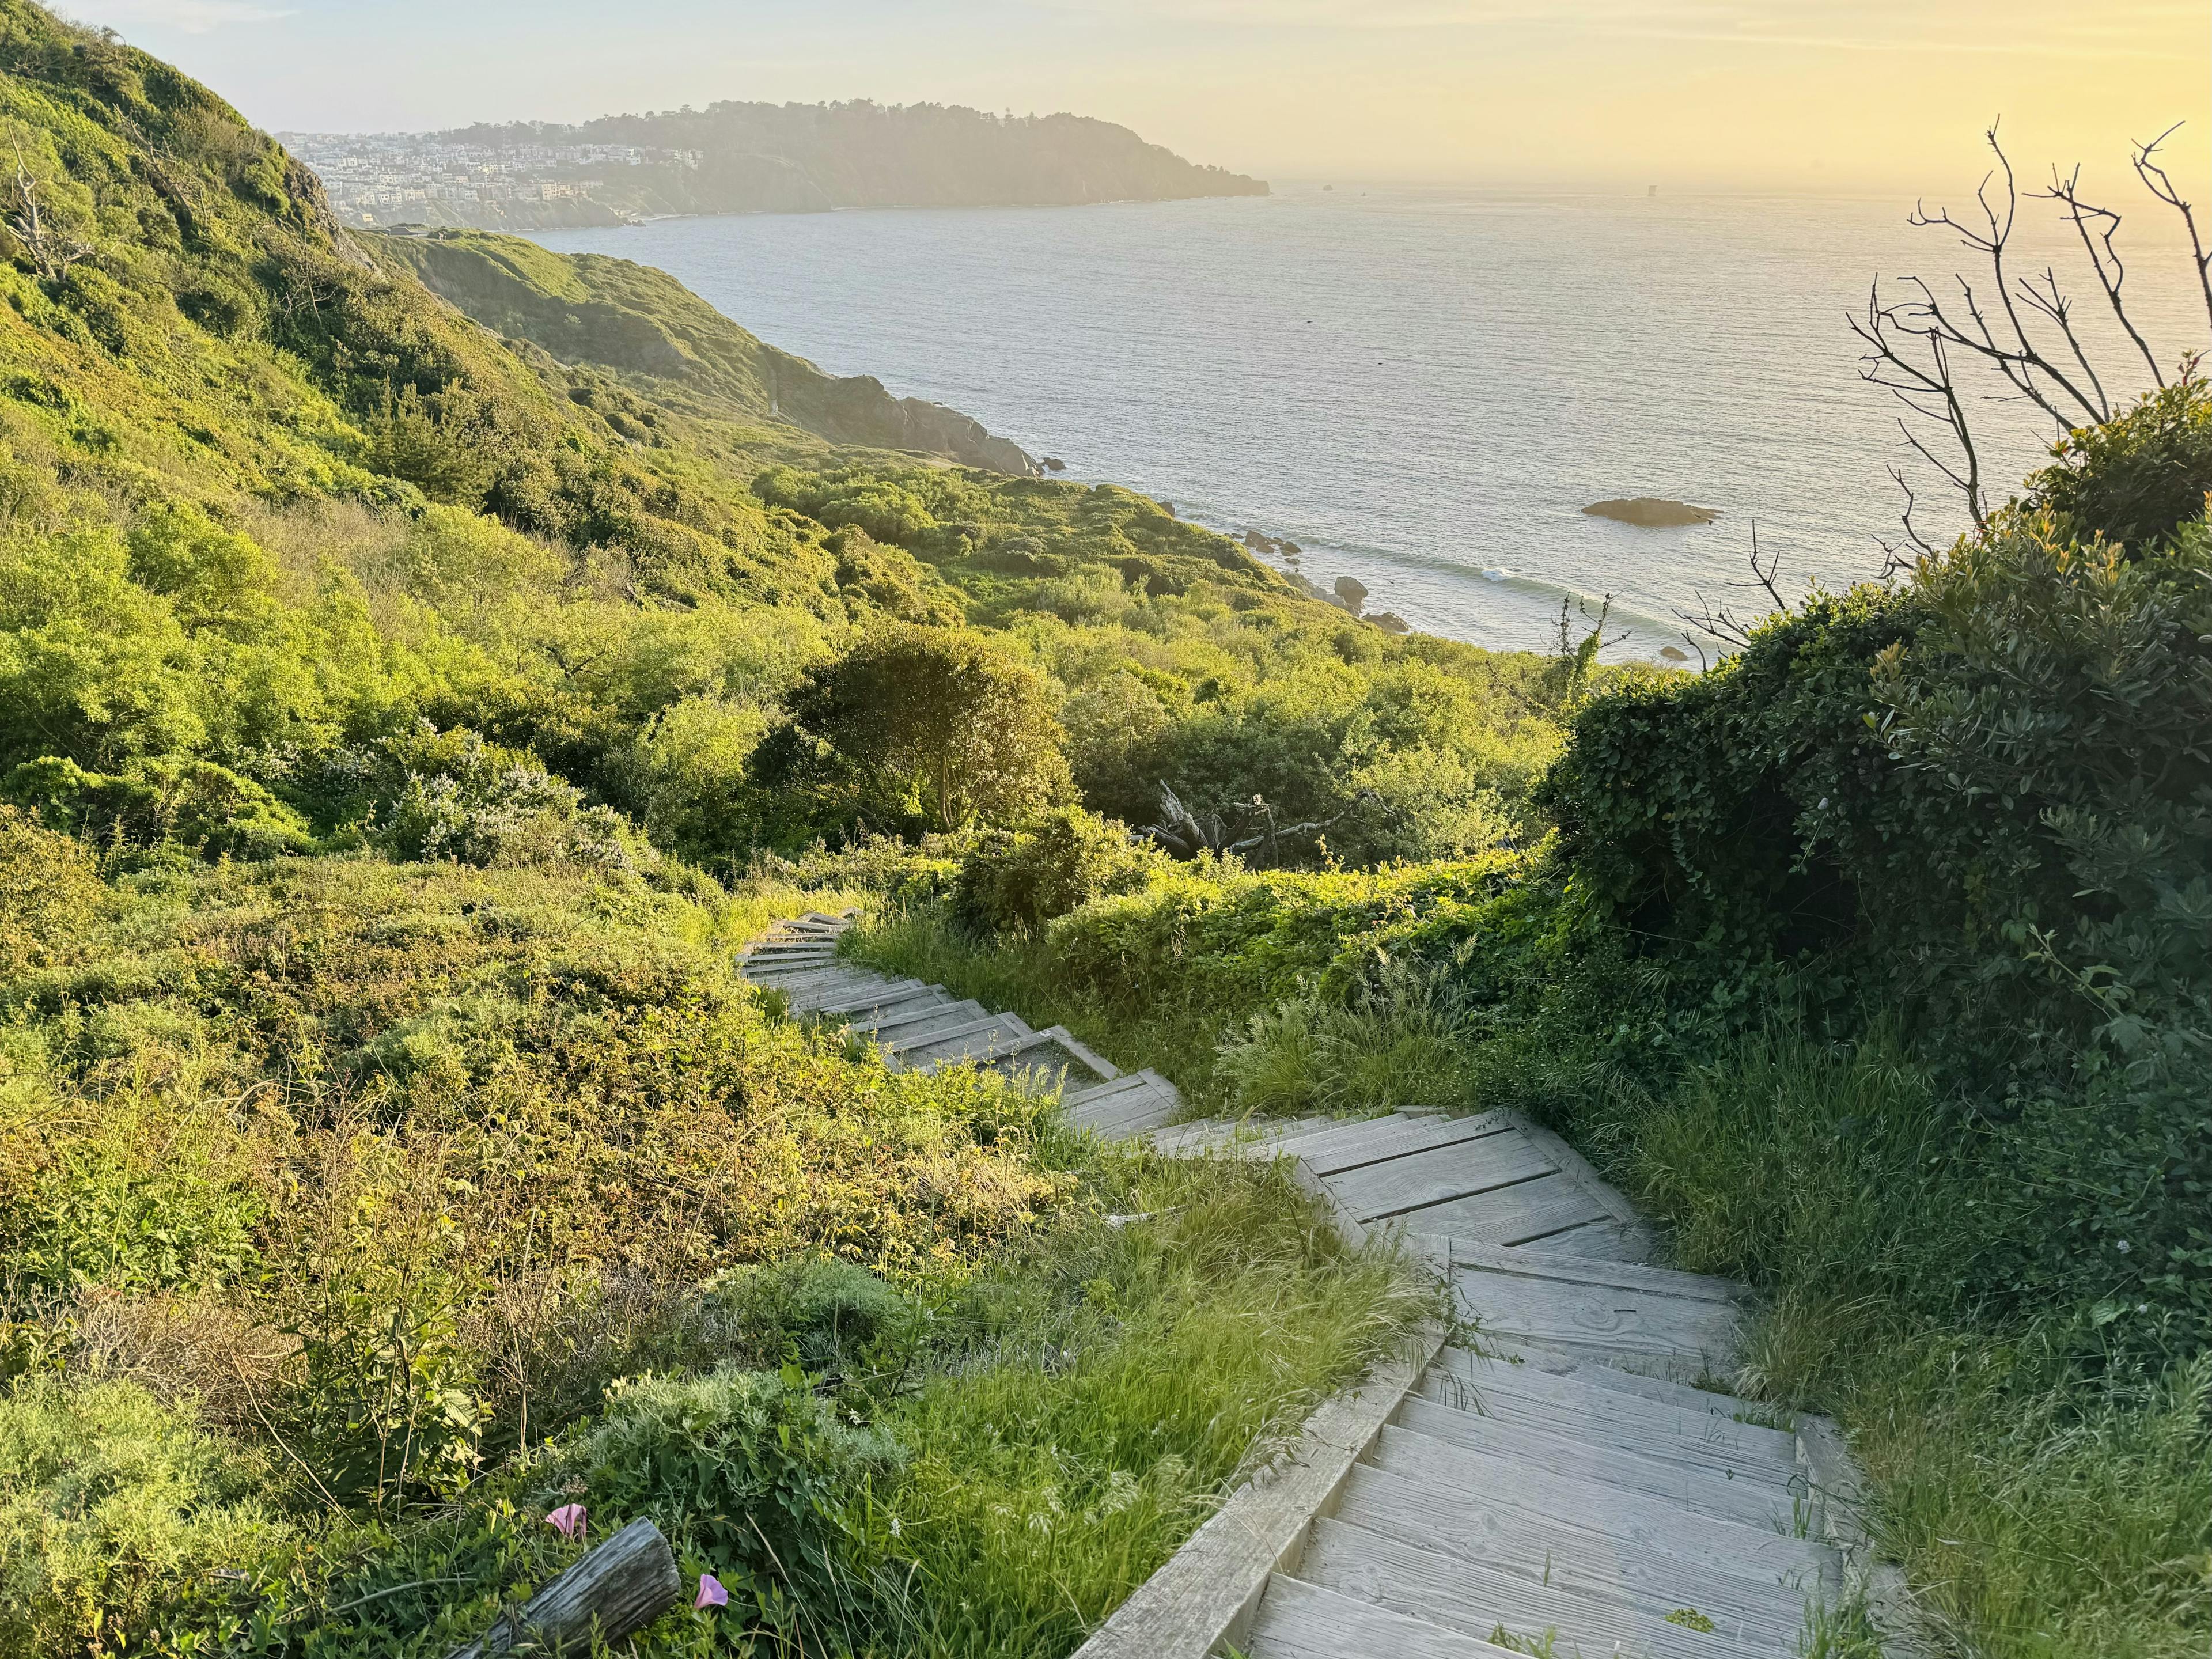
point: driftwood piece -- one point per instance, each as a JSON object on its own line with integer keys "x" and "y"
{"x": 614, "y": 1592}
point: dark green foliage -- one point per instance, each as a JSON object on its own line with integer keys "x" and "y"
{"x": 1983, "y": 805}
{"x": 750, "y": 1472}
{"x": 831, "y": 1314}
{"x": 1017, "y": 880}
{"x": 2138, "y": 478}
{"x": 194, "y": 804}
{"x": 921, "y": 727}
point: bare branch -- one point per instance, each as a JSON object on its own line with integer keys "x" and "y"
{"x": 2104, "y": 259}
{"x": 52, "y": 253}
{"x": 2161, "y": 184}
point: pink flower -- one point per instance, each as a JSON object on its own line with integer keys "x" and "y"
{"x": 711, "y": 1593}
{"x": 567, "y": 1521}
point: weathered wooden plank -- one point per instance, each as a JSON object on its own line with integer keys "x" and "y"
{"x": 1623, "y": 1562}
{"x": 1705, "y": 1440}
{"x": 1207, "y": 1592}
{"x": 1838, "y": 1498}
{"x": 1126, "y": 1114}
{"x": 1604, "y": 1240}
{"x": 1447, "y": 1591}
{"x": 1300, "y": 1620}
{"x": 1534, "y": 1262}
{"x": 1098, "y": 1064}
{"x": 1577, "y": 1169}
{"x": 905, "y": 1018}
{"x": 1502, "y": 1550}
{"x": 1592, "y": 1319}
{"x": 926, "y": 1044}
{"x": 614, "y": 1592}
{"x": 1758, "y": 1548}
{"x": 1404, "y": 1185}
{"x": 1746, "y": 1500}
{"x": 1612, "y": 1393}
{"x": 862, "y": 1014}
{"x": 1529, "y": 1210}
{"x": 1379, "y": 1140}
{"x": 931, "y": 1023}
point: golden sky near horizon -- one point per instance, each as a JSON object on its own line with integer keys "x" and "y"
{"x": 1856, "y": 93}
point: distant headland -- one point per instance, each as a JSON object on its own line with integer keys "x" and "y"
{"x": 746, "y": 158}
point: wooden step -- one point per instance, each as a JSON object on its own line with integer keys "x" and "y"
{"x": 1757, "y": 1550}
{"x": 1299, "y": 1620}
{"x": 1576, "y": 1305}
{"x": 1598, "y": 1374}
{"x": 1746, "y": 1499}
{"x": 1129, "y": 1113}
{"x": 1636, "y": 1566}
{"x": 900, "y": 999}
{"x": 1534, "y": 1262}
{"x": 1400, "y": 1186}
{"x": 982, "y": 1043}
{"x": 1451, "y": 1593}
{"x": 1709, "y": 1439}
{"x": 911, "y": 1020}
{"x": 918, "y": 1045}
{"x": 1349, "y": 1146}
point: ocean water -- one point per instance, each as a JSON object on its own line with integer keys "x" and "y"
{"x": 1421, "y": 387}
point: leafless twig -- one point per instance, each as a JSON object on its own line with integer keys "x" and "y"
{"x": 2160, "y": 184}
{"x": 2023, "y": 327}
{"x": 52, "y": 253}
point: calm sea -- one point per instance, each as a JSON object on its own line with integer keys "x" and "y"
{"x": 1421, "y": 387}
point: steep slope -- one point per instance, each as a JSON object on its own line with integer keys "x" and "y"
{"x": 586, "y": 308}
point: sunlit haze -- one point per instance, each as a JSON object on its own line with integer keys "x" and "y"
{"x": 1685, "y": 93}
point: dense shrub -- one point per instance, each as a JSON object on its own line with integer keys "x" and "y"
{"x": 749, "y": 1471}
{"x": 921, "y": 727}
{"x": 49, "y": 887}
{"x": 1017, "y": 880}
{"x": 112, "y": 1506}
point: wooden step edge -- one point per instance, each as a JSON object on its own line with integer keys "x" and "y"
{"x": 1106, "y": 1069}
{"x": 983, "y": 1023}
{"x": 1581, "y": 1368}
{"x": 1120, "y": 1085}
{"x": 1484, "y": 1380}
{"x": 922, "y": 1013}
{"x": 1578, "y": 1170}
{"x": 1207, "y": 1592}
{"x": 1840, "y": 1505}
{"x": 1125, "y": 1115}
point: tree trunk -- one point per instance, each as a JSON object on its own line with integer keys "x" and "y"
{"x": 616, "y": 1591}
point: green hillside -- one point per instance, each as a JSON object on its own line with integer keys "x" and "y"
{"x": 402, "y": 720}
{"x": 424, "y": 660}
{"x": 641, "y": 322}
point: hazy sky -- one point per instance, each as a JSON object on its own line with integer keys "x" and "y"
{"x": 1846, "y": 93}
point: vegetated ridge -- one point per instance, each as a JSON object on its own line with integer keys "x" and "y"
{"x": 586, "y": 308}
{"x": 811, "y": 158}
{"x": 400, "y": 724}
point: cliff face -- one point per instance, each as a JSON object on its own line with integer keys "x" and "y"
{"x": 636, "y": 321}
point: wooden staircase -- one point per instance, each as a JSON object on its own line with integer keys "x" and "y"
{"x": 1559, "y": 1484}
{"x": 921, "y": 1027}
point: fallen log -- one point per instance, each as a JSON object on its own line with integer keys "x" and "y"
{"x": 615, "y": 1591}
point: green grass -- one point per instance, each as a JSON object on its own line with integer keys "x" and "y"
{"x": 2047, "y": 1496}
{"x": 922, "y": 941}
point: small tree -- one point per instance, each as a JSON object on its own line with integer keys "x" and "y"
{"x": 925, "y": 723}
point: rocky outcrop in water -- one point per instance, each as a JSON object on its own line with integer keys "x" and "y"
{"x": 1651, "y": 512}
